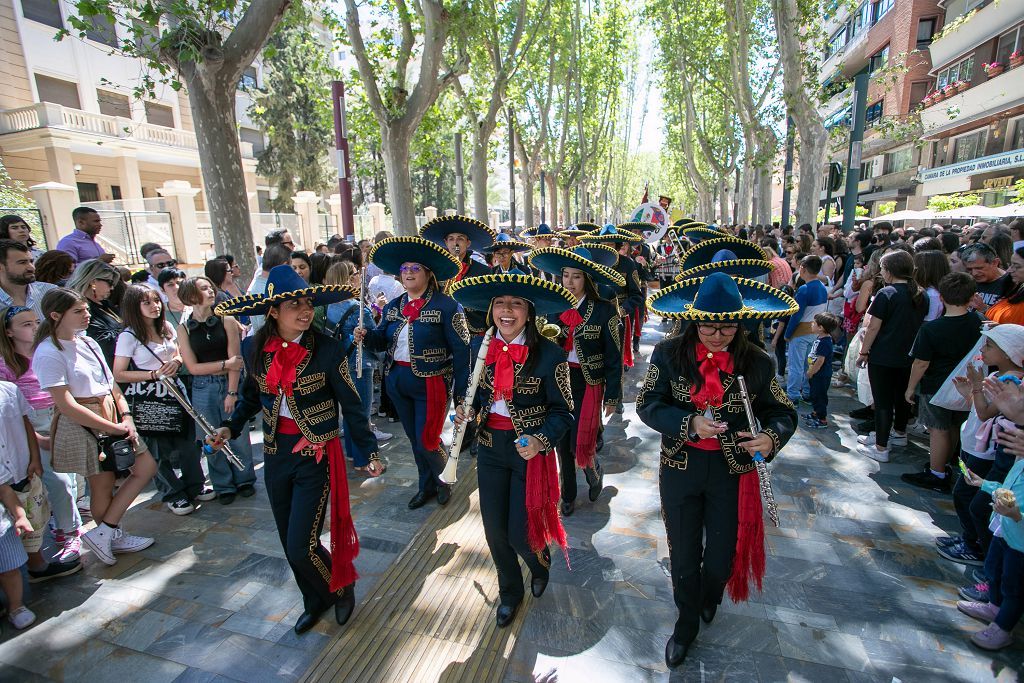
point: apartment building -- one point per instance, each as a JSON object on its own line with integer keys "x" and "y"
{"x": 975, "y": 128}
{"x": 890, "y": 40}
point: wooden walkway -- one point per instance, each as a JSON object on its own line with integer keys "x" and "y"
{"x": 431, "y": 615}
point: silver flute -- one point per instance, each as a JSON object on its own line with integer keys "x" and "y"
{"x": 204, "y": 424}
{"x": 759, "y": 462}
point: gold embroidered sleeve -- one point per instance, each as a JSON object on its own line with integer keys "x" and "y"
{"x": 347, "y": 375}
{"x": 461, "y": 326}
{"x": 564, "y": 385}
{"x": 649, "y": 381}
{"x": 780, "y": 394}
{"x": 614, "y": 327}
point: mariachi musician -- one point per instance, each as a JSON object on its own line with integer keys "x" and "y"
{"x": 427, "y": 342}
{"x": 710, "y": 499}
{"x": 571, "y": 236}
{"x": 590, "y": 333}
{"x": 298, "y": 378}
{"x": 504, "y": 252}
{"x": 629, "y": 297}
{"x": 523, "y": 406}
{"x": 461, "y": 235}
{"x": 643, "y": 257}
{"x": 539, "y": 237}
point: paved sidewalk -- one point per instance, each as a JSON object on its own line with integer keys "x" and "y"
{"x": 854, "y": 591}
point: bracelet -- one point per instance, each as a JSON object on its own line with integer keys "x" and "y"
{"x": 865, "y": 353}
{"x": 152, "y": 375}
{"x": 127, "y": 413}
{"x": 222, "y": 365}
{"x": 232, "y": 393}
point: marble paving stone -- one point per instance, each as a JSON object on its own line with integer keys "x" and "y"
{"x": 822, "y": 647}
{"x": 124, "y": 664}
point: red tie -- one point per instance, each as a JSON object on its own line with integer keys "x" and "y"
{"x": 281, "y": 373}
{"x": 501, "y": 356}
{"x": 412, "y": 309}
{"x": 572, "y": 319}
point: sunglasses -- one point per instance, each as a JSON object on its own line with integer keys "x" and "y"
{"x": 712, "y": 330}
{"x": 165, "y": 264}
{"x": 414, "y": 268}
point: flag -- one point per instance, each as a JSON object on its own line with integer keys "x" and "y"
{"x": 646, "y": 185}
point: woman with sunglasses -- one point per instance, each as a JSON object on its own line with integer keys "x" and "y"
{"x": 426, "y": 337}
{"x": 95, "y": 280}
{"x": 710, "y": 498}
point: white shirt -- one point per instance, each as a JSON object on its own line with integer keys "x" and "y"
{"x": 14, "y": 455}
{"x": 74, "y": 366}
{"x": 573, "y": 357}
{"x": 500, "y": 407}
{"x": 129, "y": 346}
{"x": 33, "y": 297}
{"x": 284, "y": 401}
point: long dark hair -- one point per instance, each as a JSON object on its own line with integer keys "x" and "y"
{"x": 900, "y": 265}
{"x": 260, "y": 339}
{"x": 5, "y": 228}
{"x": 932, "y": 265}
{"x": 683, "y": 349}
{"x": 138, "y": 324}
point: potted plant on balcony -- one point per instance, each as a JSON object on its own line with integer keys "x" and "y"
{"x": 949, "y": 90}
{"x": 927, "y": 101}
{"x": 962, "y": 85}
{"x": 993, "y": 69}
{"x": 1016, "y": 59}
{"x": 937, "y": 95}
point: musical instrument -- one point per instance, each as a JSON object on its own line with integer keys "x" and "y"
{"x": 204, "y": 424}
{"x": 359, "y": 346}
{"x": 759, "y": 463}
{"x": 449, "y": 474}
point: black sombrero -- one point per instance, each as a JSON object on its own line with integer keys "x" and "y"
{"x": 602, "y": 254}
{"x": 503, "y": 241}
{"x": 686, "y": 223}
{"x": 437, "y": 230}
{"x": 730, "y": 255}
{"x": 284, "y": 284}
{"x": 553, "y": 259}
{"x": 636, "y": 228}
{"x": 721, "y": 298}
{"x": 697, "y": 233}
{"x": 389, "y": 255}
{"x": 580, "y": 229}
{"x": 611, "y": 234}
{"x": 547, "y": 298}
{"x": 542, "y": 230}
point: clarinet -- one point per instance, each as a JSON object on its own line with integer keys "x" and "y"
{"x": 759, "y": 464}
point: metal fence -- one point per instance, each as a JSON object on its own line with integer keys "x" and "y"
{"x": 125, "y": 231}
{"x": 34, "y": 220}
{"x": 140, "y": 204}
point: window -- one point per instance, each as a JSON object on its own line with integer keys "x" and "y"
{"x": 918, "y": 91}
{"x": 861, "y": 19}
{"x": 88, "y": 192}
{"x": 970, "y": 146}
{"x": 879, "y": 8}
{"x": 102, "y": 31}
{"x": 253, "y": 136}
{"x": 961, "y": 71}
{"x": 113, "y": 104}
{"x": 874, "y": 113}
{"x": 248, "y": 79}
{"x": 44, "y": 11}
{"x": 878, "y": 60}
{"x": 925, "y": 32}
{"x": 57, "y": 91}
{"x": 1009, "y": 42}
{"x": 899, "y": 161}
{"x": 836, "y": 43}
{"x": 867, "y": 170}
{"x": 159, "y": 114}
{"x": 115, "y": 192}
{"x": 1018, "y": 136}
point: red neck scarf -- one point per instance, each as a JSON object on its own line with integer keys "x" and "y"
{"x": 501, "y": 355}
{"x": 281, "y": 373}
{"x": 711, "y": 392}
{"x": 463, "y": 269}
{"x": 412, "y": 308}
{"x": 572, "y": 319}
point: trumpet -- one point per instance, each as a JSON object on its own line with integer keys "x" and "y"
{"x": 759, "y": 463}
{"x": 449, "y": 474}
{"x": 172, "y": 388}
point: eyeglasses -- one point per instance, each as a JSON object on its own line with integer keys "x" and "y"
{"x": 712, "y": 330}
{"x": 165, "y": 264}
{"x": 414, "y": 268}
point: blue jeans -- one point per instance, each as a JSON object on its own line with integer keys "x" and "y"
{"x": 1004, "y": 568}
{"x": 796, "y": 366}
{"x": 365, "y": 388}
{"x": 208, "y": 394}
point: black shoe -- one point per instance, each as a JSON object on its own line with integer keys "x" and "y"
{"x": 420, "y": 499}
{"x": 600, "y": 440}
{"x": 596, "y": 485}
{"x": 474, "y": 449}
{"x": 246, "y": 490}
{"x": 864, "y": 427}
{"x": 54, "y": 570}
{"x": 927, "y": 480}
{"x": 505, "y": 615}
{"x": 864, "y": 413}
{"x": 675, "y": 653}
{"x": 568, "y": 507}
{"x": 345, "y": 605}
{"x": 537, "y": 586}
{"x": 707, "y": 613}
{"x": 636, "y": 345}
{"x": 444, "y": 494}
{"x": 226, "y": 498}
{"x": 307, "y": 621}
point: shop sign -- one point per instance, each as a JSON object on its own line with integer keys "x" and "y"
{"x": 998, "y": 183}
{"x": 993, "y": 162}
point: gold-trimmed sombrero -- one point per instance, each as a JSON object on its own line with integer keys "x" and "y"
{"x": 580, "y": 229}
{"x": 696, "y": 233}
{"x": 637, "y": 228}
{"x": 504, "y": 241}
{"x": 602, "y": 254}
{"x": 612, "y": 234}
{"x": 389, "y": 255}
{"x": 542, "y": 230}
{"x": 553, "y": 259}
{"x": 437, "y": 230}
{"x": 721, "y": 298}
{"x": 728, "y": 254}
{"x": 284, "y": 284}
{"x": 547, "y": 298}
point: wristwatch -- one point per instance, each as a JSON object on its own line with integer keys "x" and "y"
{"x": 232, "y": 393}
{"x": 127, "y": 413}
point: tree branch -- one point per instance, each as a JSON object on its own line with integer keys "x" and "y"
{"x": 245, "y": 41}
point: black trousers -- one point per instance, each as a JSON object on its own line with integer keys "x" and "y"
{"x": 501, "y": 475}
{"x": 566, "y": 447}
{"x": 888, "y": 389}
{"x": 698, "y": 505}
{"x": 973, "y": 515}
{"x": 299, "y": 490}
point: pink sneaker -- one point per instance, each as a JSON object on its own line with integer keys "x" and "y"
{"x": 70, "y": 546}
{"x": 992, "y": 638}
{"x": 982, "y": 611}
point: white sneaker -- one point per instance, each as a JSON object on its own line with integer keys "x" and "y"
{"x": 99, "y": 541}
{"x": 207, "y": 495}
{"x": 381, "y": 436}
{"x": 897, "y": 440}
{"x": 126, "y": 543}
{"x": 872, "y": 452}
{"x": 22, "y": 618}
{"x": 181, "y": 506}
{"x": 867, "y": 439}
{"x": 917, "y": 429}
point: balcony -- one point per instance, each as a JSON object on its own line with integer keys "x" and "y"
{"x": 986, "y": 23}
{"x": 991, "y": 97}
{"x": 49, "y": 115}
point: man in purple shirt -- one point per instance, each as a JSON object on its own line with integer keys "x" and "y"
{"x": 81, "y": 244}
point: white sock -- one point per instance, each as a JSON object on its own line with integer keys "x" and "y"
{"x": 940, "y": 475}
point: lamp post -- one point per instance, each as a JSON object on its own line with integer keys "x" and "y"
{"x": 341, "y": 144}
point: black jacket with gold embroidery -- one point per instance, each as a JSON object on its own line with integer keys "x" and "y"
{"x": 598, "y": 345}
{"x": 663, "y": 404}
{"x": 630, "y": 297}
{"x": 322, "y": 382}
{"x": 438, "y": 339}
{"x": 541, "y": 404}
{"x": 475, "y": 320}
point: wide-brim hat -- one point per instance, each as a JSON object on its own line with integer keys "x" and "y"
{"x": 542, "y": 230}
{"x": 698, "y": 233}
{"x": 503, "y": 241}
{"x": 547, "y": 298}
{"x": 437, "y": 230}
{"x": 389, "y": 255}
{"x": 730, "y": 255}
{"x": 602, "y": 254}
{"x": 580, "y": 229}
{"x": 284, "y": 284}
{"x": 610, "y": 234}
{"x": 553, "y": 259}
{"x": 636, "y": 228}
{"x": 721, "y": 298}
{"x": 685, "y": 223}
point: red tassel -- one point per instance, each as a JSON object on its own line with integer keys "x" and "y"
{"x": 437, "y": 407}
{"x": 344, "y": 540}
{"x": 543, "y": 525}
{"x": 749, "y": 561}
{"x": 627, "y": 341}
{"x": 589, "y": 425}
